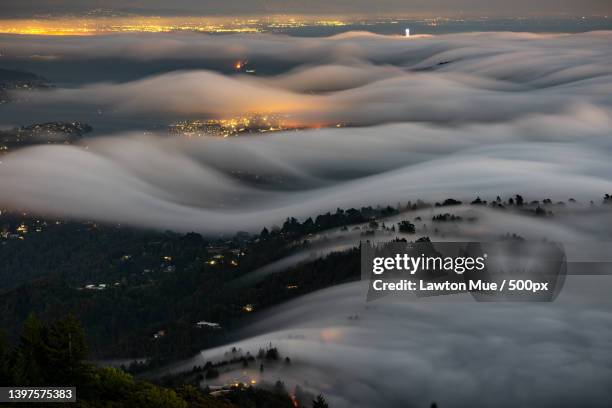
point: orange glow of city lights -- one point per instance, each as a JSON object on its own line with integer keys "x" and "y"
{"x": 330, "y": 334}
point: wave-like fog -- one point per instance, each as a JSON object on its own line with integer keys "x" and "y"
{"x": 224, "y": 185}
{"x": 396, "y": 353}
{"x": 359, "y": 78}
{"x": 456, "y": 115}
{"x": 433, "y": 117}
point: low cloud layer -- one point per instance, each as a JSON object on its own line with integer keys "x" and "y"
{"x": 397, "y": 353}
{"x": 356, "y": 78}
{"x": 461, "y": 115}
{"x": 437, "y": 117}
{"x": 223, "y": 185}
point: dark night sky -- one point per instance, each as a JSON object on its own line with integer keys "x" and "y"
{"x": 28, "y": 8}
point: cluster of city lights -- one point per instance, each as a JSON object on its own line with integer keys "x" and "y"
{"x": 250, "y": 123}
{"x": 93, "y": 25}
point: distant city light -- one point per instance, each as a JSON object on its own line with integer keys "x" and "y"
{"x": 154, "y": 24}
{"x": 248, "y": 123}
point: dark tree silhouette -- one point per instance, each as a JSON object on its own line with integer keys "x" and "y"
{"x": 406, "y": 227}
{"x": 320, "y": 402}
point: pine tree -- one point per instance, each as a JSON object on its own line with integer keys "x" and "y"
{"x": 320, "y": 402}
{"x": 27, "y": 368}
{"x": 66, "y": 348}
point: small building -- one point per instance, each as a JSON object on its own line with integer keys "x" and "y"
{"x": 100, "y": 286}
{"x": 207, "y": 325}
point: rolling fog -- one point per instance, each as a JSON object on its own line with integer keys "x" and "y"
{"x": 244, "y": 183}
{"x": 397, "y": 353}
{"x": 400, "y": 351}
{"x": 427, "y": 118}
